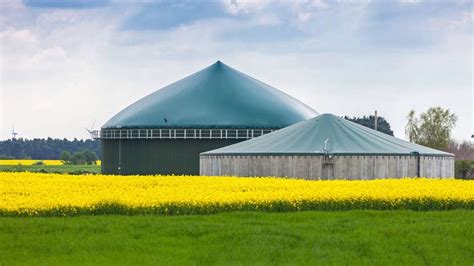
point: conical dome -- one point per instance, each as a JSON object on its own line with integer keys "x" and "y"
{"x": 217, "y": 96}
{"x": 326, "y": 133}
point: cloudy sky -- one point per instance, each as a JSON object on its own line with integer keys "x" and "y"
{"x": 65, "y": 63}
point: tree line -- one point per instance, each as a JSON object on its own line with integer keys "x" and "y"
{"x": 369, "y": 121}
{"x": 83, "y": 157}
{"x": 433, "y": 129}
{"x": 45, "y": 149}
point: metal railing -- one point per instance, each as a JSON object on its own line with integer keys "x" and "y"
{"x": 181, "y": 133}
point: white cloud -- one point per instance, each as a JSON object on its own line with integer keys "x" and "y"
{"x": 67, "y": 68}
{"x": 244, "y": 6}
{"x": 267, "y": 20}
{"x": 17, "y": 36}
{"x": 60, "y": 16}
{"x": 11, "y": 4}
{"x": 318, "y": 3}
{"x": 49, "y": 56}
{"x": 410, "y": 1}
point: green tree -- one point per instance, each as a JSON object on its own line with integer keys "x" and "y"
{"x": 78, "y": 158}
{"x": 369, "y": 121}
{"x": 464, "y": 169}
{"x": 65, "y": 157}
{"x": 89, "y": 156}
{"x": 432, "y": 128}
{"x": 85, "y": 156}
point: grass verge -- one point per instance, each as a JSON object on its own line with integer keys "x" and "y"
{"x": 53, "y": 169}
{"x": 305, "y": 238}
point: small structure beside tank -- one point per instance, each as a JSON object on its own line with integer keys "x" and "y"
{"x": 327, "y": 147}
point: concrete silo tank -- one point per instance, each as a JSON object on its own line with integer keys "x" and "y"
{"x": 327, "y": 147}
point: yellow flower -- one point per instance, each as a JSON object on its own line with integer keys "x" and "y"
{"x": 31, "y": 162}
{"x": 56, "y": 194}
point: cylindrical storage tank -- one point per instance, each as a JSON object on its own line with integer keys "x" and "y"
{"x": 165, "y": 132}
{"x": 328, "y": 147}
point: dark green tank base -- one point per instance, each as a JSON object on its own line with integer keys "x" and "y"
{"x": 156, "y": 156}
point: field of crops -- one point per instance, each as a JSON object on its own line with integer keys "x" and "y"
{"x": 59, "y": 195}
{"x": 362, "y": 237}
{"x": 33, "y": 162}
{"x": 30, "y": 162}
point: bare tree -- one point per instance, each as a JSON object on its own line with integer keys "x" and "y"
{"x": 462, "y": 151}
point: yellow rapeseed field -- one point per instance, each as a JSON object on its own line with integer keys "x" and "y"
{"x": 56, "y": 194}
{"x": 31, "y": 162}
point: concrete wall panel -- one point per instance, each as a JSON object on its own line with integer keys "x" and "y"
{"x": 314, "y": 167}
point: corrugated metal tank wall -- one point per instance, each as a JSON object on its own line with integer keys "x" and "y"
{"x": 314, "y": 167}
{"x": 156, "y": 156}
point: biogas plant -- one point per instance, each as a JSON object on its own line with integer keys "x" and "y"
{"x": 220, "y": 121}
{"x": 165, "y": 132}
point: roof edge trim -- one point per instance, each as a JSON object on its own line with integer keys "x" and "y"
{"x": 322, "y": 154}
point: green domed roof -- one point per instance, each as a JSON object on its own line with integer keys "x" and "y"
{"x": 217, "y": 96}
{"x": 326, "y": 133}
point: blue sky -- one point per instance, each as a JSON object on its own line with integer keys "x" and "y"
{"x": 68, "y": 63}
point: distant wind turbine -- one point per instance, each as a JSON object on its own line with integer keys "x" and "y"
{"x": 93, "y": 133}
{"x": 14, "y": 134}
